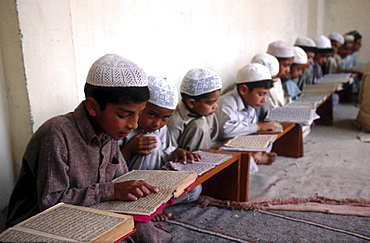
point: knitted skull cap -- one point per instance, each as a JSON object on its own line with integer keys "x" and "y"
{"x": 335, "y": 36}
{"x": 200, "y": 81}
{"x": 253, "y": 72}
{"x": 280, "y": 49}
{"x": 323, "y": 44}
{"x": 269, "y": 61}
{"x": 112, "y": 70}
{"x": 162, "y": 93}
{"x": 349, "y": 38}
{"x": 300, "y": 56}
{"x": 307, "y": 44}
{"x": 304, "y": 41}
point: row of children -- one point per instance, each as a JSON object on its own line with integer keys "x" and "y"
{"x": 73, "y": 158}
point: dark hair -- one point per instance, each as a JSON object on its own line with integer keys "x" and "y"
{"x": 283, "y": 58}
{"x": 116, "y": 95}
{"x": 355, "y": 33}
{"x": 267, "y": 84}
{"x": 308, "y": 48}
{"x": 184, "y": 96}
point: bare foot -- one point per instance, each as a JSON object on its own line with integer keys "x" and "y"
{"x": 267, "y": 158}
{"x": 162, "y": 216}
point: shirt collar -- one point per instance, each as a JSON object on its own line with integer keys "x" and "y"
{"x": 239, "y": 101}
{"x": 85, "y": 127}
{"x": 184, "y": 112}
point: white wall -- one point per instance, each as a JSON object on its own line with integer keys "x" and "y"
{"x": 170, "y": 37}
{"x": 346, "y": 15}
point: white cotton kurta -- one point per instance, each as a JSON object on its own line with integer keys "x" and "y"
{"x": 236, "y": 119}
{"x": 277, "y": 95}
{"x": 159, "y": 156}
{"x": 334, "y": 64}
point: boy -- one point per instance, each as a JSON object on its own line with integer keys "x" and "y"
{"x": 237, "y": 112}
{"x": 149, "y": 147}
{"x": 296, "y": 70}
{"x": 273, "y": 65}
{"x": 334, "y": 63}
{"x": 285, "y": 54}
{"x": 193, "y": 124}
{"x": 309, "y": 46}
{"x": 323, "y": 49}
{"x": 73, "y": 158}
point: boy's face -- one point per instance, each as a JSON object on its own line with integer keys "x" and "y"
{"x": 297, "y": 70}
{"x": 154, "y": 117}
{"x": 321, "y": 58}
{"x": 284, "y": 66}
{"x": 206, "y": 106}
{"x": 310, "y": 57}
{"x": 357, "y": 44}
{"x": 254, "y": 98}
{"x": 335, "y": 45}
{"x": 345, "y": 50}
{"x": 117, "y": 120}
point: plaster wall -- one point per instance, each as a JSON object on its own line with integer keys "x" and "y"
{"x": 343, "y": 16}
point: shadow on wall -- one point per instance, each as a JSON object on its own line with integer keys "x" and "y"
{"x": 4, "y": 212}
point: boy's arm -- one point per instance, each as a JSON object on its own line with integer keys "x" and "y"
{"x": 231, "y": 124}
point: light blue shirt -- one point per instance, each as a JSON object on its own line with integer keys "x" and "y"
{"x": 235, "y": 118}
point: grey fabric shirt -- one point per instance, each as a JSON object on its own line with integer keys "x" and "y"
{"x": 65, "y": 162}
{"x": 191, "y": 131}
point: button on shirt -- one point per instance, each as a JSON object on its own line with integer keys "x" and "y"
{"x": 234, "y": 117}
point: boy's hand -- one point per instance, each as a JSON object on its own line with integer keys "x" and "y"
{"x": 139, "y": 144}
{"x": 132, "y": 190}
{"x": 185, "y": 156}
{"x": 266, "y": 126}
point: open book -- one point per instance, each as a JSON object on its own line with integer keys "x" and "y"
{"x": 70, "y": 223}
{"x": 171, "y": 184}
{"x": 249, "y": 143}
{"x": 208, "y": 162}
{"x": 304, "y": 115}
{"x": 279, "y": 128}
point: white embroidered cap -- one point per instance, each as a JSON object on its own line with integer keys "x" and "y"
{"x": 200, "y": 81}
{"x": 307, "y": 44}
{"x": 335, "y": 36}
{"x": 162, "y": 93}
{"x": 349, "y": 38}
{"x": 112, "y": 70}
{"x": 253, "y": 72}
{"x": 304, "y": 41}
{"x": 300, "y": 56}
{"x": 323, "y": 44}
{"x": 269, "y": 61}
{"x": 280, "y": 49}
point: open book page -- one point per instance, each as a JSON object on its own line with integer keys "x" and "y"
{"x": 359, "y": 68}
{"x": 65, "y": 222}
{"x": 298, "y": 114}
{"x": 336, "y": 78}
{"x": 169, "y": 183}
{"x": 310, "y": 99}
{"x": 249, "y": 143}
{"x": 209, "y": 161}
{"x": 279, "y": 128}
{"x": 322, "y": 88}
{"x": 364, "y": 136}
